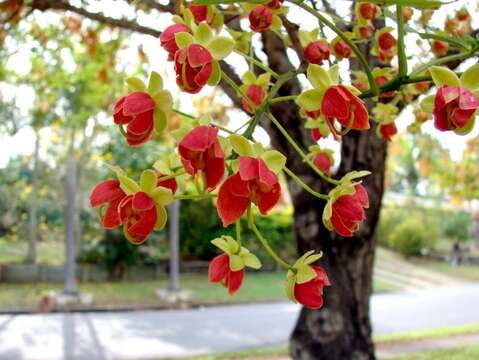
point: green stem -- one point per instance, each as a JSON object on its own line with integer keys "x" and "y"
{"x": 283, "y": 98}
{"x": 395, "y": 84}
{"x": 183, "y": 113}
{"x": 372, "y": 84}
{"x": 264, "y": 242}
{"x": 442, "y": 60}
{"x": 258, "y": 64}
{"x": 171, "y": 176}
{"x": 304, "y": 185}
{"x": 238, "y": 233}
{"x": 402, "y": 60}
{"x": 195, "y": 196}
{"x": 299, "y": 150}
{"x": 225, "y": 129}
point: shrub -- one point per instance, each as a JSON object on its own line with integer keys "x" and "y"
{"x": 412, "y": 236}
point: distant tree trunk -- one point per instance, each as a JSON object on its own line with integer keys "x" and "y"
{"x": 32, "y": 225}
{"x": 174, "y": 215}
{"x": 341, "y": 329}
{"x": 70, "y": 191}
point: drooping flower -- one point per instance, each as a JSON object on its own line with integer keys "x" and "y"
{"x": 439, "y": 47}
{"x": 341, "y": 104}
{"x": 108, "y": 193}
{"x": 454, "y": 108}
{"x": 365, "y": 31}
{"x": 260, "y": 18}
{"x": 388, "y": 130}
{"x": 322, "y": 158}
{"x": 135, "y": 110}
{"x": 167, "y": 39}
{"x": 386, "y": 41}
{"x": 256, "y": 94}
{"x": 138, "y": 214}
{"x": 200, "y": 151}
{"x": 316, "y": 52}
{"x": 305, "y": 282}
{"x": 310, "y": 293}
{"x": 369, "y": 11}
{"x": 200, "y": 12}
{"x": 193, "y": 66}
{"x": 253, "y": 183}
{"x": 228, "y": 268}
{"x": 275, "y": 4}
{"x": 345, "y": 208}
{"x": 341, "y": 49}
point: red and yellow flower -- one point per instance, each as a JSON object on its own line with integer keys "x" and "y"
{"x": 228, "y": 268}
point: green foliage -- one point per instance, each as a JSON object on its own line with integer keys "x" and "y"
{"x": 409, "y": 229}
{"x": 199, "y": 224}
{"x": 458, "y": 226}
{"x": 412, "y": 236}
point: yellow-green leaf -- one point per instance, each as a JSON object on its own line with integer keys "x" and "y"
{"x": 155, "y": 83}
{"x": 444, "y": 76}
{"x": 162, "y": 196}
{"x": 161, "y": 217}
{"x": 220, "y": 47}
{"x": 318, "y": 77}
{"x": 241, "y": 145}
{"x": 274, "y": 160}
{"x": 129, "y": 186}
{"x": 183, "y": 39}
{"x": 470, "y": 77}
{"x": 135, "y": 84}
{"x": 148, "y": 180}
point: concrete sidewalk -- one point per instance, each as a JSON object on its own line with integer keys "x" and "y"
{"x": 157, "y": 334}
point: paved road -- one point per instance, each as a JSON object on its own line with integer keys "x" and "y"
{"x": 155, "y": 334}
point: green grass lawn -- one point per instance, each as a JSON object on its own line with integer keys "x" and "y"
{"x": 462, "y": 353}
{"x": 436, "y": 333}
{"x": 48, "y": 252}
{"x": 256, "y": 287}
{"x": 466, "y": 272}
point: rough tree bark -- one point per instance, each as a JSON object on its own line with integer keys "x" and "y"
{"x": 341, "y": 329}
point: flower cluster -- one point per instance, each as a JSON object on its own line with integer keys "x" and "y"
{"x": 206, "y": 160}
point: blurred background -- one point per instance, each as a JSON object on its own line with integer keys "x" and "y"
{"x": 60, "y": 75}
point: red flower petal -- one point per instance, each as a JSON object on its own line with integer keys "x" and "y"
{"x": 248, "y": 168}
{"x": 215, "y": 169}
{"x": 362, "y": 195}
{"x": 198, "y": 139}
{"x": 145, "y": 224}
{"x": 265, "y": 175}
{"x": 231, "y": 207}
{"x": 141, "y": 123}
{"x": 310, "y": 294}
{"x": 339, "y": 227}
{"x": 335, "y": 103}
{"x": 198, "y": 55}
{"x": 142, "y": 202}
{"x": 267, "y": 200}
{"x": 138, "y": 102}
{"x": 234, "y": 281}
{"x": 219, "y": 268}
{"x": 106, "y": 191}
{"x": 112, "y": 219}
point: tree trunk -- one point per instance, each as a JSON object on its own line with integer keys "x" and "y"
{"x": 70, "y": 191}
{"x": 174, "y": 233}
{"x": 32, "y": 225}
{"x": 341, "y": 329}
